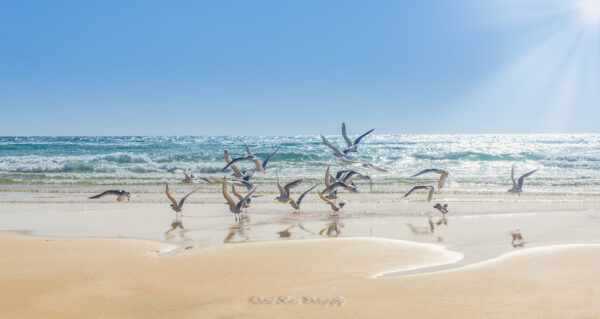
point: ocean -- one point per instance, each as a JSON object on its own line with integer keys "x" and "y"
{"x": 566, "y": 163}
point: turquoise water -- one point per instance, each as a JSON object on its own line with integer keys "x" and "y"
{"x": 565, "y": 162}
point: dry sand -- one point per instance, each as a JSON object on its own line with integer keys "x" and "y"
{"x": 44, "y": 277}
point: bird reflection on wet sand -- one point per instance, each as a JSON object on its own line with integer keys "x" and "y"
{"x": 177, "y": 228}
{"x": 430, "y": 228}
{"x": 238, "y": 229}
{"x": 176, "y": 224}
{"x": 333, "y": 228}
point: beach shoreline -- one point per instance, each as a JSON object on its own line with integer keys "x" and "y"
{"x": 327, "y": 278}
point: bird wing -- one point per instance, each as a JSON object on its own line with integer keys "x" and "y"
{"x": 330, "y": 145}
{"x": 236, "y": 170}
{"x": 348, "y": 141}
{"x": 282, "y": 191}
{"x": 235, "y": 192}
{"x": 379, "y": 168}
{"x": 335, "y": 185}
{"x": 339, "y": 174}
{"x": 414, "y": 189}
{"x": 264, "y": 163}
{"x": 292, "y": 185}
{"x": 325, "y": 199}
{"x": 327, "y": 182}
{"x": 108, "y": 192}
{"x": 304, "y": 194}
{"x": 243, "y": 200}
{"x": 347, "y": 160}
{"x": 258, "y": 164}
{"x": 430, "y": 196}
{"x": 248, "y": 150}
{"x": 512, "y": 176}
{"x": 356, "y": 141}
{"x": 226, "y": 194}
{"x": 241, "y": 182}
{"x": 186, "y": 196}
{"x": 237, "y": 159}
{"x": 425, "y": 171}
{"x": 227, "y": 157}
{"x": 442, "y": 180}
{"x": 170, "y": 196}
{"x": 522, "y": 178}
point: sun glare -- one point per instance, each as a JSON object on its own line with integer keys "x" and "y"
{"x": 589, "y": 11}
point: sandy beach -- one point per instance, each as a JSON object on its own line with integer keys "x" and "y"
{"x": 77, "y": 258}
{"x": 99, "y": 278}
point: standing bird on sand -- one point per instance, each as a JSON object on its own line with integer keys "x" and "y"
{"x": 177, "y": 207}
{"x": 443, "y": 175}
{"x": 431, "y": 189}
{"x": 121, "y": 194}
{"x": 517, "y": 187}
{"x": 296, "y": 203}
{"x": 236, "y": 208}
{"x": 352, "y": 146}
{"x": 335, "y": 207}
{"x": 284, "y": 191}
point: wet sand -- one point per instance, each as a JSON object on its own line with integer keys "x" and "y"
{"x": 48, "y": 277}
{"x": 135, "y": 259}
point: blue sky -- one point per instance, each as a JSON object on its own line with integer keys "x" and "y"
{"x": 298, "y": 67}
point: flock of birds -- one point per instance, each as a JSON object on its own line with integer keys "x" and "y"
{"x": 330, "y": 195}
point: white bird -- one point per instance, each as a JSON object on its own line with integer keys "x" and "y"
{"x": 236, "y": 208}
{"x": 249, "y": 157}
{"x": 443, "y": 175}
{"x": 517, "y": 187}
{"x": 177, "y": 207}
{"x": 187, "y": 179}
{"x": 352, "y": 147}
{"x": 332, "y": 187}
{"x": 336, "y": 152}
{"x": 431, "y": 189}
{"x": 247, "y": 174}
{"x": 236, "y": 182}
{"x": 347, "y": 175}
{"x": 296, "y": 203}
{"x": 121, "y": 194}
{"x": 284, "y": 191}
